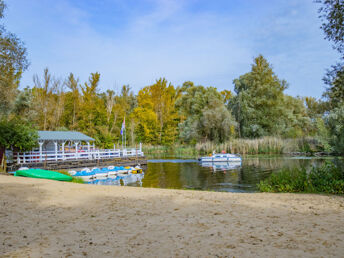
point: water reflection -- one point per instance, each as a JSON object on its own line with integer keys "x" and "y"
{"x": 221, "y": 166}
{"x": 130, "y": 180}
{"x": 190, "y": 174}
{"x": 231, "y": 177}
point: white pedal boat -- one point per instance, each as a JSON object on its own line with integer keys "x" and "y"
{"x": 224, "y": 157}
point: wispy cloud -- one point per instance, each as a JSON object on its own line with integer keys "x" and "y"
{"x": 136, "y": 42}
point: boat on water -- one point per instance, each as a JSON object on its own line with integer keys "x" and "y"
{"x": 221, "y": 157}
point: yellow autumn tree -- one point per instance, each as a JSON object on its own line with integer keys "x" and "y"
{"x": 155, "y": 115}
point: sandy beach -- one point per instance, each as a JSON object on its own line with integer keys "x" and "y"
{"x": 42, "y": 218}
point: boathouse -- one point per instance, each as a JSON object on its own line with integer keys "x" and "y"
{"x": 69, "y": 147}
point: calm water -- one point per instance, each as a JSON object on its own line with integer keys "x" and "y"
{"x": 190, "y": 174}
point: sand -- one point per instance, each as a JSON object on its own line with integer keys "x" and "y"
{"x": 42, "y": 218}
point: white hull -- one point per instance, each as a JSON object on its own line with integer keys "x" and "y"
{"x": 225, "y": 159}
{"x": 222, "y": 165}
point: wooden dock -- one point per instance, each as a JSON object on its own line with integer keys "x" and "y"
{"x": 81, "y": 163}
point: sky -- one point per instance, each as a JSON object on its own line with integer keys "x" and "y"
{"x": 136, "y": 42}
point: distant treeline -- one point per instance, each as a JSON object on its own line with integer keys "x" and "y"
{"x": 162, "y": 113}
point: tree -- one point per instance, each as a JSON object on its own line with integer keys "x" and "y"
{"x": 334, "y": 78}
{"x": 17, "y": 135}
{"x": 155, "y": 116}
{"x": 72, "y": 101}
{"x": 92, "y": 112}
{"x": 13, "y": 61}
{"x": 203, "y": 114}
{"x": 332, "y": 14}
{"x": 335, "y": 122}
{"x": 49, "y": 99}
{"x": 257, "y": 105}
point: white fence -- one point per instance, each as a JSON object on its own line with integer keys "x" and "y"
{"x": 36, "y": 156}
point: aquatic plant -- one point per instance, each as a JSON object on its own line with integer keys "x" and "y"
{"x": 264, "y": 145}
{"x": 328, "y": 178}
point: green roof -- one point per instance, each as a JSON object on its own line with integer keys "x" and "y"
{"x": 63, "y": 136}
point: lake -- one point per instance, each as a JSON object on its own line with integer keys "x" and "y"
{"x": 190, "y": 174}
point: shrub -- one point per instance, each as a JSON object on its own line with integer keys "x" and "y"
{"x": 329, "y": 178}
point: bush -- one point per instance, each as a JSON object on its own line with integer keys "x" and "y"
{"x": 329, "y": 178}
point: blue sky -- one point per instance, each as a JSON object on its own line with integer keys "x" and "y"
{"x": 208, "y": 42}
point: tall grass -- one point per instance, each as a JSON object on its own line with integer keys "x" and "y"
{"x": 264, "y": 145}
{"x": 173, "y": 151}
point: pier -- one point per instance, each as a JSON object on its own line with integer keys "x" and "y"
{"x": 70, "y": 150}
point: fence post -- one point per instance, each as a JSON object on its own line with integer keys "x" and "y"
{"x": 88, "y": 149}
{"x": 40, "y": 151}
{"x": 63, "y": 151}
{"x": 55, "y": 150}
{"x": 76, "y": 150}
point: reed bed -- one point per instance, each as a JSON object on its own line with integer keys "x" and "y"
{"x": 264, "y": 145}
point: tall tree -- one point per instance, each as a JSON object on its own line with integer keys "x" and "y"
{"x": 331, "y": 13}
{"x": 72, "y": 101}
{"x": 203, "y": 113}
{"x": 156, "y": 115}
{"x": 13, "y": 62}
{"x": 49, "y": 98}
{"x": 257, "y": 105}
{"x": 92, "y": 114}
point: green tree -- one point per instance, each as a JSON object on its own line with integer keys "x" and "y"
{"x": 49, "y": 101}
{"x": 203, "y": 114}
{"x": 16, "y": 135}
{"x": 13, "y": 61}
{"x": 72, "y": 102}
{"x": 92, "y": 112}
{"x": 332, "y": 14}
{"x": 257, "y": 105}
{"x": 335, "y": 122}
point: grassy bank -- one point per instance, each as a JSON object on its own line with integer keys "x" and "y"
{"x": 329, "y": 178}
{"x": 265, "y": 145}
{"x": 75, "y": 179}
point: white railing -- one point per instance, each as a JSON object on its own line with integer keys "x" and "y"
{"x": 35, "y": 156}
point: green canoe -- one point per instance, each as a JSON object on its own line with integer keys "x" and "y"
{"x": 41, "y": 173}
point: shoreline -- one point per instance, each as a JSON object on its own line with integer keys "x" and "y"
{"x": 41, "y": 217}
